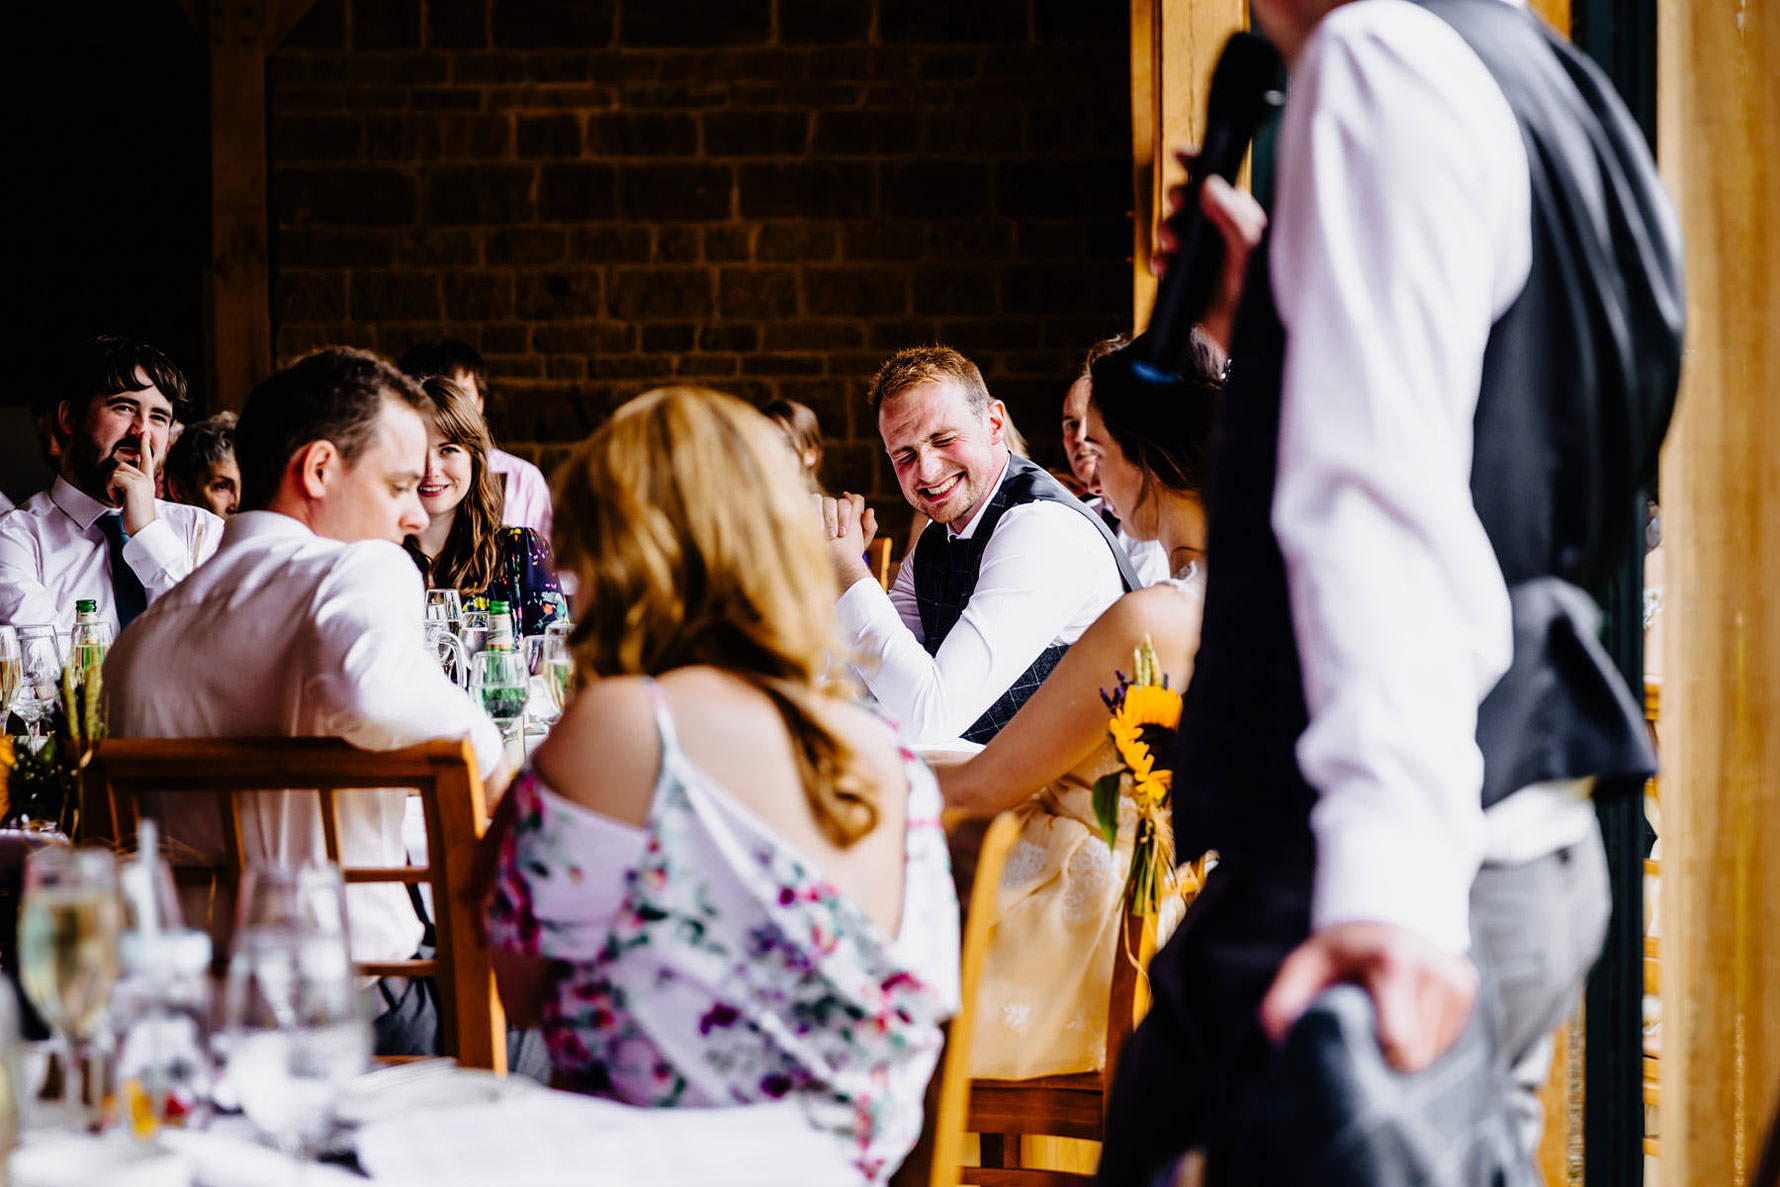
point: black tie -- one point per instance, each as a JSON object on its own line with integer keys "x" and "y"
{"x": 128, "y": 596}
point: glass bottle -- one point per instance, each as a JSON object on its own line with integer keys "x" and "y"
{"x": 92, "y": 637}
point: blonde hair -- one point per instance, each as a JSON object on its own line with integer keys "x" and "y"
{"x": 691, "y": 532}
{"x": 917, "y": 365}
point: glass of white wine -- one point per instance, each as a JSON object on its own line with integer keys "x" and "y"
{"x": 11, "y": 671}
{"x": 295, "y": 1025}
{"x": 68, "y": 930}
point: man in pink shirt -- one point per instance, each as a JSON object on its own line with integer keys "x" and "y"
{"x": 527, "y": 494}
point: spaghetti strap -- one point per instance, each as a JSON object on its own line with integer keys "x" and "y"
{"x": 664, "y": 721}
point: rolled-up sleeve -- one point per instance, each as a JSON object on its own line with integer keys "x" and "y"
{"x": 1045, "y": 572}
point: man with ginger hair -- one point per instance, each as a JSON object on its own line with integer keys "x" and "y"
{"x": 1012, "y": 569}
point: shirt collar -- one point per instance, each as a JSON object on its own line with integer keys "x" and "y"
{"x": 76, "y": 504}
{"x": 970, "y": 528}
{"x": 263, "y": 525}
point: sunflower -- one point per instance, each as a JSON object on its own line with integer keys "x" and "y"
{"x": 1150, "y": 704}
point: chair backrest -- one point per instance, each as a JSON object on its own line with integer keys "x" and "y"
{"x": 877, "y": 559}
{"x": 471, "y": 1023}
{"x": 954, "y": 1092}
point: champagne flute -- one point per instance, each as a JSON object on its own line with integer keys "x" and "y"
{"x": 559, "y": 669}
{"x": 296, "y": 1029}
{"x": 40, "y": 676}
{"x": 68, "y": 934}
{"x": 11, "y": 670}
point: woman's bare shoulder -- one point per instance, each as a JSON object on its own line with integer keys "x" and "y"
{"x": 605, "y": 751}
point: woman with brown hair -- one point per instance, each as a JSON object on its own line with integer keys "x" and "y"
{"x": 464, "y": 545}
{"x": 720, "y": 882}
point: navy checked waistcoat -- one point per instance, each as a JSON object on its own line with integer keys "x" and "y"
{"x": 946, "y": 575}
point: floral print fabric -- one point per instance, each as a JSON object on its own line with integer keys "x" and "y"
{"x": 526, "y": 581}
{"x": 731, "y": 972}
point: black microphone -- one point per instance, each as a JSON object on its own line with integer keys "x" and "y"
{"x": 1244, "y": 91}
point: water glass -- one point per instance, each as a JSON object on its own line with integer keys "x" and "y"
{"x": 552, "y": 668}
{"x": 446, "y": 648}
{"x": 40, "y": 675}
{"x": 498, "y": 682}
{"x": 68, "y": 957}
{"x": 296, "y": 1028}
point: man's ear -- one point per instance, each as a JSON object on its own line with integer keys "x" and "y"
{"x": 65, "y": 419}
{"x": 996, "y": 414}
{"x": 317, "y": 468}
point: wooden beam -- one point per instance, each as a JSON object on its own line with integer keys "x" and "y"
{"x": 1718, "y": 109}
{"x": 1174, "y": 45}
{"x": 237, "y": 298}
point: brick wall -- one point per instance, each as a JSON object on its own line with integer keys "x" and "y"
{"x": 765, "y": 196}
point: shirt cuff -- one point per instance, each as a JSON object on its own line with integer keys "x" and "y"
{"x": 863, "y": 602}
{"x": 1386, "y": 873}
{"x": 156, "y": 550}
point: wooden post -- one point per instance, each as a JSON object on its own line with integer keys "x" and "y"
{"x": 237, "y": 296}
{"x": 1174, "y": 45}
{"x": 1718, "y": 135}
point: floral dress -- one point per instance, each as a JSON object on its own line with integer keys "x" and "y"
{"x": 525, "y": 579}
{"x": 715, "y": 965}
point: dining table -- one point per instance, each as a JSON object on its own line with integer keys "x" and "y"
{"x": 433, "y": 1124}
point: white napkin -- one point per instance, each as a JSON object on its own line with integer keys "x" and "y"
{"x": 220, "y": 1160}
{"x": 546, "y": 1138}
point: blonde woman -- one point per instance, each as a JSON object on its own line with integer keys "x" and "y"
{"x": 464, "y": 545}
{"x": 720, "y": 882}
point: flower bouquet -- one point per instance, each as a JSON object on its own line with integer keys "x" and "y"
{"x": 1145, "y": 713}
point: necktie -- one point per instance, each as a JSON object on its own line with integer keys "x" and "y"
{"x": 128, "y": 596}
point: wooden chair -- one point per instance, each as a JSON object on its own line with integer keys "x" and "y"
{"x": 472, "y": 1027}
{"x": 877, "y": 559}
{"x": 955, "y": 1084}
{"x": 1002, "y": 1112}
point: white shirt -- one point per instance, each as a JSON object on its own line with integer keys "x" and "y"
{"x": 1148, "y": 558}
{"x": 1046, "y": 575}
{"x": 1402, "y": 232}
{"x": 527, "y": 503}
{"x": 288, "y": 634}
{"x": 6, "y": 504}
{"x": 52, "y": 552}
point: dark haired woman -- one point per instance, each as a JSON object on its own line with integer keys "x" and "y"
{"x": 803, "y": 433}
{"x": 464, "y": 545}
{"x": 1042, "y": 1009}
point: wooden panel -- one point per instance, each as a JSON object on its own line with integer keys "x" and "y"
{"x": 1174, "y": 45}
{"x": 1718, "y": 111}
{"x": 1557, "y": 12}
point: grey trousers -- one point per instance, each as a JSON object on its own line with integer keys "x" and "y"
{"x": 1539, "y": 926}
{"x": 1325, "y": 1108}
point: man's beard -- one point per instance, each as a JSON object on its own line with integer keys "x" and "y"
{"x": 92, "y": 472}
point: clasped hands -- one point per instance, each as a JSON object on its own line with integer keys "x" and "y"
{"x": 849, "y": 526}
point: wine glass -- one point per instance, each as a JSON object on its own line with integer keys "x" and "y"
{"x": 40, "y": 676}
{"x": 68, "y": 932}
{"x": 450, "y": 603}
{"x": 295, "y": 1025}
